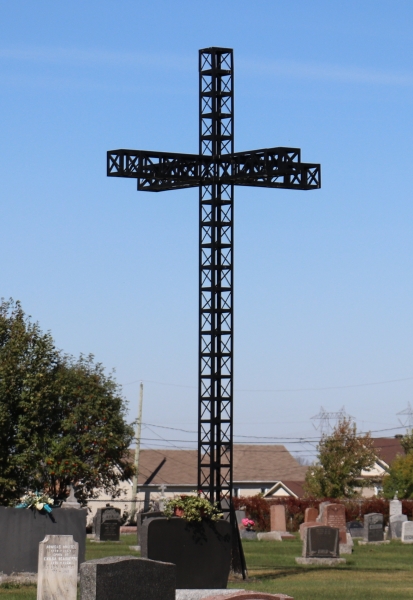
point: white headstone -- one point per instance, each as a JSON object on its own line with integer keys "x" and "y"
{"x": 395, "y": 508}
{"x": 58, "y": 565}
{"x": 407, "y": 532}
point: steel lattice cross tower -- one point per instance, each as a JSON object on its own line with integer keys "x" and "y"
{"x": 215, "y": 171}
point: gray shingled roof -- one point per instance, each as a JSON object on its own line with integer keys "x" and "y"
{"x": 252, "y": 463}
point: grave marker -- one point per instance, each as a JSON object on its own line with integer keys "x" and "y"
{"x": 373, "y": 527}
{"x": 407, "y": 532}
{"x": 395, "y": 508}
{"x": 395, "y": 526}
{"x": 310, "y": 515}
{"x": 355, "y": 529}
{"x": 107, "y": 524}
{"x": 277, "y": 517}
{"x": 334, "y": 515}
{"x": 322, "y": 542}
{"x": 123, "y": 577}
{"x": 57, "y": 568}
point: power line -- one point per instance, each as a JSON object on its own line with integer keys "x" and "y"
{"x": 261, "y": 437}
{"x": 310, "y": 389}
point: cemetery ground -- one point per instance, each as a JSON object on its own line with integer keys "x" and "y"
{"x": 379, "y": 572}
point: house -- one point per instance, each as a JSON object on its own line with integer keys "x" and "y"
{"x": 165, "y": 473}
{"x": 387, "y": 449}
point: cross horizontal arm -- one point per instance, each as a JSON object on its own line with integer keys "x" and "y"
{"x": 275, "y": 168}
{"x": 155, "y": 171}
{"x": 269, "y": 167}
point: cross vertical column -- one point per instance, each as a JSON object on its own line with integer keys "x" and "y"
{"x": 215, "y": 438}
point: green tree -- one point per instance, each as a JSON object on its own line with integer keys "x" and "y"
{"x": 400, "y": 477}
{"x": 342, "y": 456}
{"x": 61, "y": 420}
{"x": 407, "y": 442}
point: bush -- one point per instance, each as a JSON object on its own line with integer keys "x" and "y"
{"x": 258, "y": 509}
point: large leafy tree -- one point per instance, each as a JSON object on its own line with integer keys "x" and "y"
{"x": 62, "y": 420}
{"x": 400, "y": 477}
{"x": 342, "y": 456}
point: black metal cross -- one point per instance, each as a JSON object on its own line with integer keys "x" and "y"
{"x": 215, "y": 171}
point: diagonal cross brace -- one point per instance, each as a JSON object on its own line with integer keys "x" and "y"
{"x": 268, "y": 167}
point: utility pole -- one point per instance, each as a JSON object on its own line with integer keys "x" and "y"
{"x": 137, "y": 451}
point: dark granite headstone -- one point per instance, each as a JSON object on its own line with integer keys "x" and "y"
{"x": 107, "y": 524}
{"x": 322, "y": 542}
{"x": 22, "y": 529}
{"x": 373, "y": 527}
{"x": 395, "y": 526}
{"x": 123, "y": 577}
{"x": 355, "y": 529}
{"x": 140, "y": 518}
{"x": 200, "y": 551}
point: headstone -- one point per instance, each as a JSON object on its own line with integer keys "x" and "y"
{"x": 310, "y": 515}
{"x": 373, "y": 527}
{"x": 248, "y": 535}
{"x": 201, "y": 551}
{"x": 322, "y": 542}
{"x": 334, "y": 515}
{"x": 407, "y": 532}
{"x": 140, "y": 518}
{"x": 240, "y": 514}
{"x": 71, "y": 501}
{"x": 395, "y": 508}
{"x": 277, "y": 517}
{"x": 305, "y": 526}
{"x": 395, "y": 526}
{"x": 21, "y": 531}
{"x": 107, "y": 524}
{"x": 57, "y": 568}
{"x": 121, "y": 577}
{"x": 355, "y": 529}
{"x": 321, "y": 508}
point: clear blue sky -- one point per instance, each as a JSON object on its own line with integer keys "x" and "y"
{"x": 323, "y": 279}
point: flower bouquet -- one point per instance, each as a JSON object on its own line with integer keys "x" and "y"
{"x": 248, "y": 524}
{"x": 192, "y": 508}
{"x": 36, "y": 500}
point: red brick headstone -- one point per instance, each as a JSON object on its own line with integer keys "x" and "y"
{"x": 277, "y": 517}
{"x": 334, "y": 515}
{"x": 310, "y": 514}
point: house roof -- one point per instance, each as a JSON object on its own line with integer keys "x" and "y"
{"x": 291, "y": 488}
{"x": 252, "y": 463}
{"x": 387, "y": 449}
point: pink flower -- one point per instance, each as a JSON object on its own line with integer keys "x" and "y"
{"x": 248, "y": 523}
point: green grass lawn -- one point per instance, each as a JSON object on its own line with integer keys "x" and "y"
{"x": 371, "y": 573}
{"x": 375, "y": 572}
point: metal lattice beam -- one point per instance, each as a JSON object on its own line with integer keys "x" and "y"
{"x": 216, "y": 138}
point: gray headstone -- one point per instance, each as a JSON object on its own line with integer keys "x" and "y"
{"x": 71, "y": 501}
{"x": 123, "y": 577}
{"x": 57, "y": 569}
{"x": 240, "y": 514}
{"x": 373, "y": 527}
{"x": 407, "y": 532}
{"x": 321, "y": 507}
{"x": 395, "y": 526}
{"x": 107, "y": 524}
{"x": 140, "y": 518}
{"x": 395, "y": 508}
{"x": 322, "y": 542}
{"x": 355, "y": 529}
